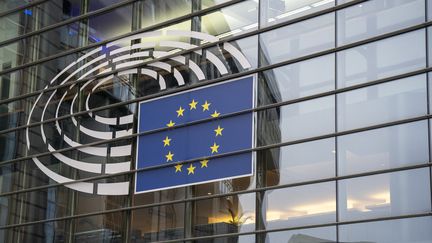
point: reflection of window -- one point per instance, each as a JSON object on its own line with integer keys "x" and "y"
{"x": 383, "y": 195}
{"x": 410, "y": 230}
{"x": 381, "y": 59}
{"x": 303, "y": 205}
{"x": 299, "y": 120}
{"x": 275, "y": 11}
{"x": 382, "y": 103}
{"x": 298, "y": 39}
{"x": 222, "y": 215}
{"x": 377, "y": 17}
{"x": 318, "y": 235}
{"x": 384, "y": 148}
{"x": 296, "y": 163}
{"x": 300, "y": 79}
{"x": 231, "y": 20}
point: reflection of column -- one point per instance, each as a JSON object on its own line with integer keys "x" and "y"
{"x": 268, "y": 128}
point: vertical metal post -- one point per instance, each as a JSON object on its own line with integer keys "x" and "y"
{"x": 133, "y": 79}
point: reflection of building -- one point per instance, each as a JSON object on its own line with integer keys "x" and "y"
{"x": 344, "y": 143}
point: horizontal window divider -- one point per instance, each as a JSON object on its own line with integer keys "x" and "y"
{"x": 174, "y": 21}
{"x": 203, "y": 83}
{"x": 14, "y": 10}
{"x": 259, "y": 148}
{"x": 207, "y": 197}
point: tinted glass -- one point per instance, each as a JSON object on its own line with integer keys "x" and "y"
{"x": 296, "y": 121}
{"x": 385, "y": 58}
{"x": 303, "y": 205}
{"x": 382, "y": 103}
{"x": 411, "y": 230}
{"x": 298, "y": 39}
{"x": 296, "y": 80}
{"x": 294, "y": 163}
{"x": 383, "y": 148}
{"x": 273, "y": 12}
{"x": 377, "y": 17}
{"x": 384, "y": 195}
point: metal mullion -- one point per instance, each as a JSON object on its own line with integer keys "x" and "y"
{"x": 15, "y": 10}
{"x": 68, "y": 21}
{"x": 149, "y": 28}
{"x": 265, "y": 147}
{"x": 207, "y": 197}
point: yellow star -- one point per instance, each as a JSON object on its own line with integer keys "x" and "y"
{"x": 193, "y": 104}
{"x": 191, "y": 169}
{"x": 214, "y": 148}
{"x": 166, "y": 141}
{"x": 204, "y": 163}
{"x": 206, "y": 106}
{"x": 170, "y": 124}
{"x": 219, "y": 130}
{"x": 169, "y": 156}
{"x": 178, "y": 168}
{"x": 180, "y": 111}
{"x": 215, "y": 114}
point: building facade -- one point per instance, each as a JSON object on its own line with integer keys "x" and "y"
{"x": 342, "y": 130}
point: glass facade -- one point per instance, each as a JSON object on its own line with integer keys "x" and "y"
{"x": 342, "y": 119}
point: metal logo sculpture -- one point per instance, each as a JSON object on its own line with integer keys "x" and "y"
{"x": 119, "y": 54}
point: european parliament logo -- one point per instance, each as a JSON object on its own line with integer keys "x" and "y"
{"x": 196, "y": 136}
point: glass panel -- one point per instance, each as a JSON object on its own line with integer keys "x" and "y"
{"x": 382, "y": 103}
{"x": 296, "y": 121}
{"x": 429, "y": 44}
{"x": 232, "y": 20}
{"x": 232, "y": 214}
{"x": 57, "y": 231}
{"x": 298, "y": 39}
{"x": 378, "y": 17}
{"x": 411, "y": 230}
{"x": 211, "y": 3}
{"x": 295, "y": 163}
{"x": 273, "y": 12}
{"x": 37, "y": 17}
{"x": 385, "y": 58}
{"x": 157, "y": 11}
{"x": 36, "y": 205}
{"x": 100, "y": 228}
{"x": 296, "y": 80}
{"x": 110, "y": 24}
{"x": 383, "y": 148}
{"x": 303, "y": 205}
{"x": 158, "y": 223}
{"x": 315, "y": 235}
{"x": 384, "y": 195}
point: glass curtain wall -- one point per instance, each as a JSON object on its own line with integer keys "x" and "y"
{"x": 342, "y": 119}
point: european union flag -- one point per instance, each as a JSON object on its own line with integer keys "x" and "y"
{"x": 196, "y": 141}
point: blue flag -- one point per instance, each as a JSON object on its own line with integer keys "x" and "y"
{"x": 197, "y": 141}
